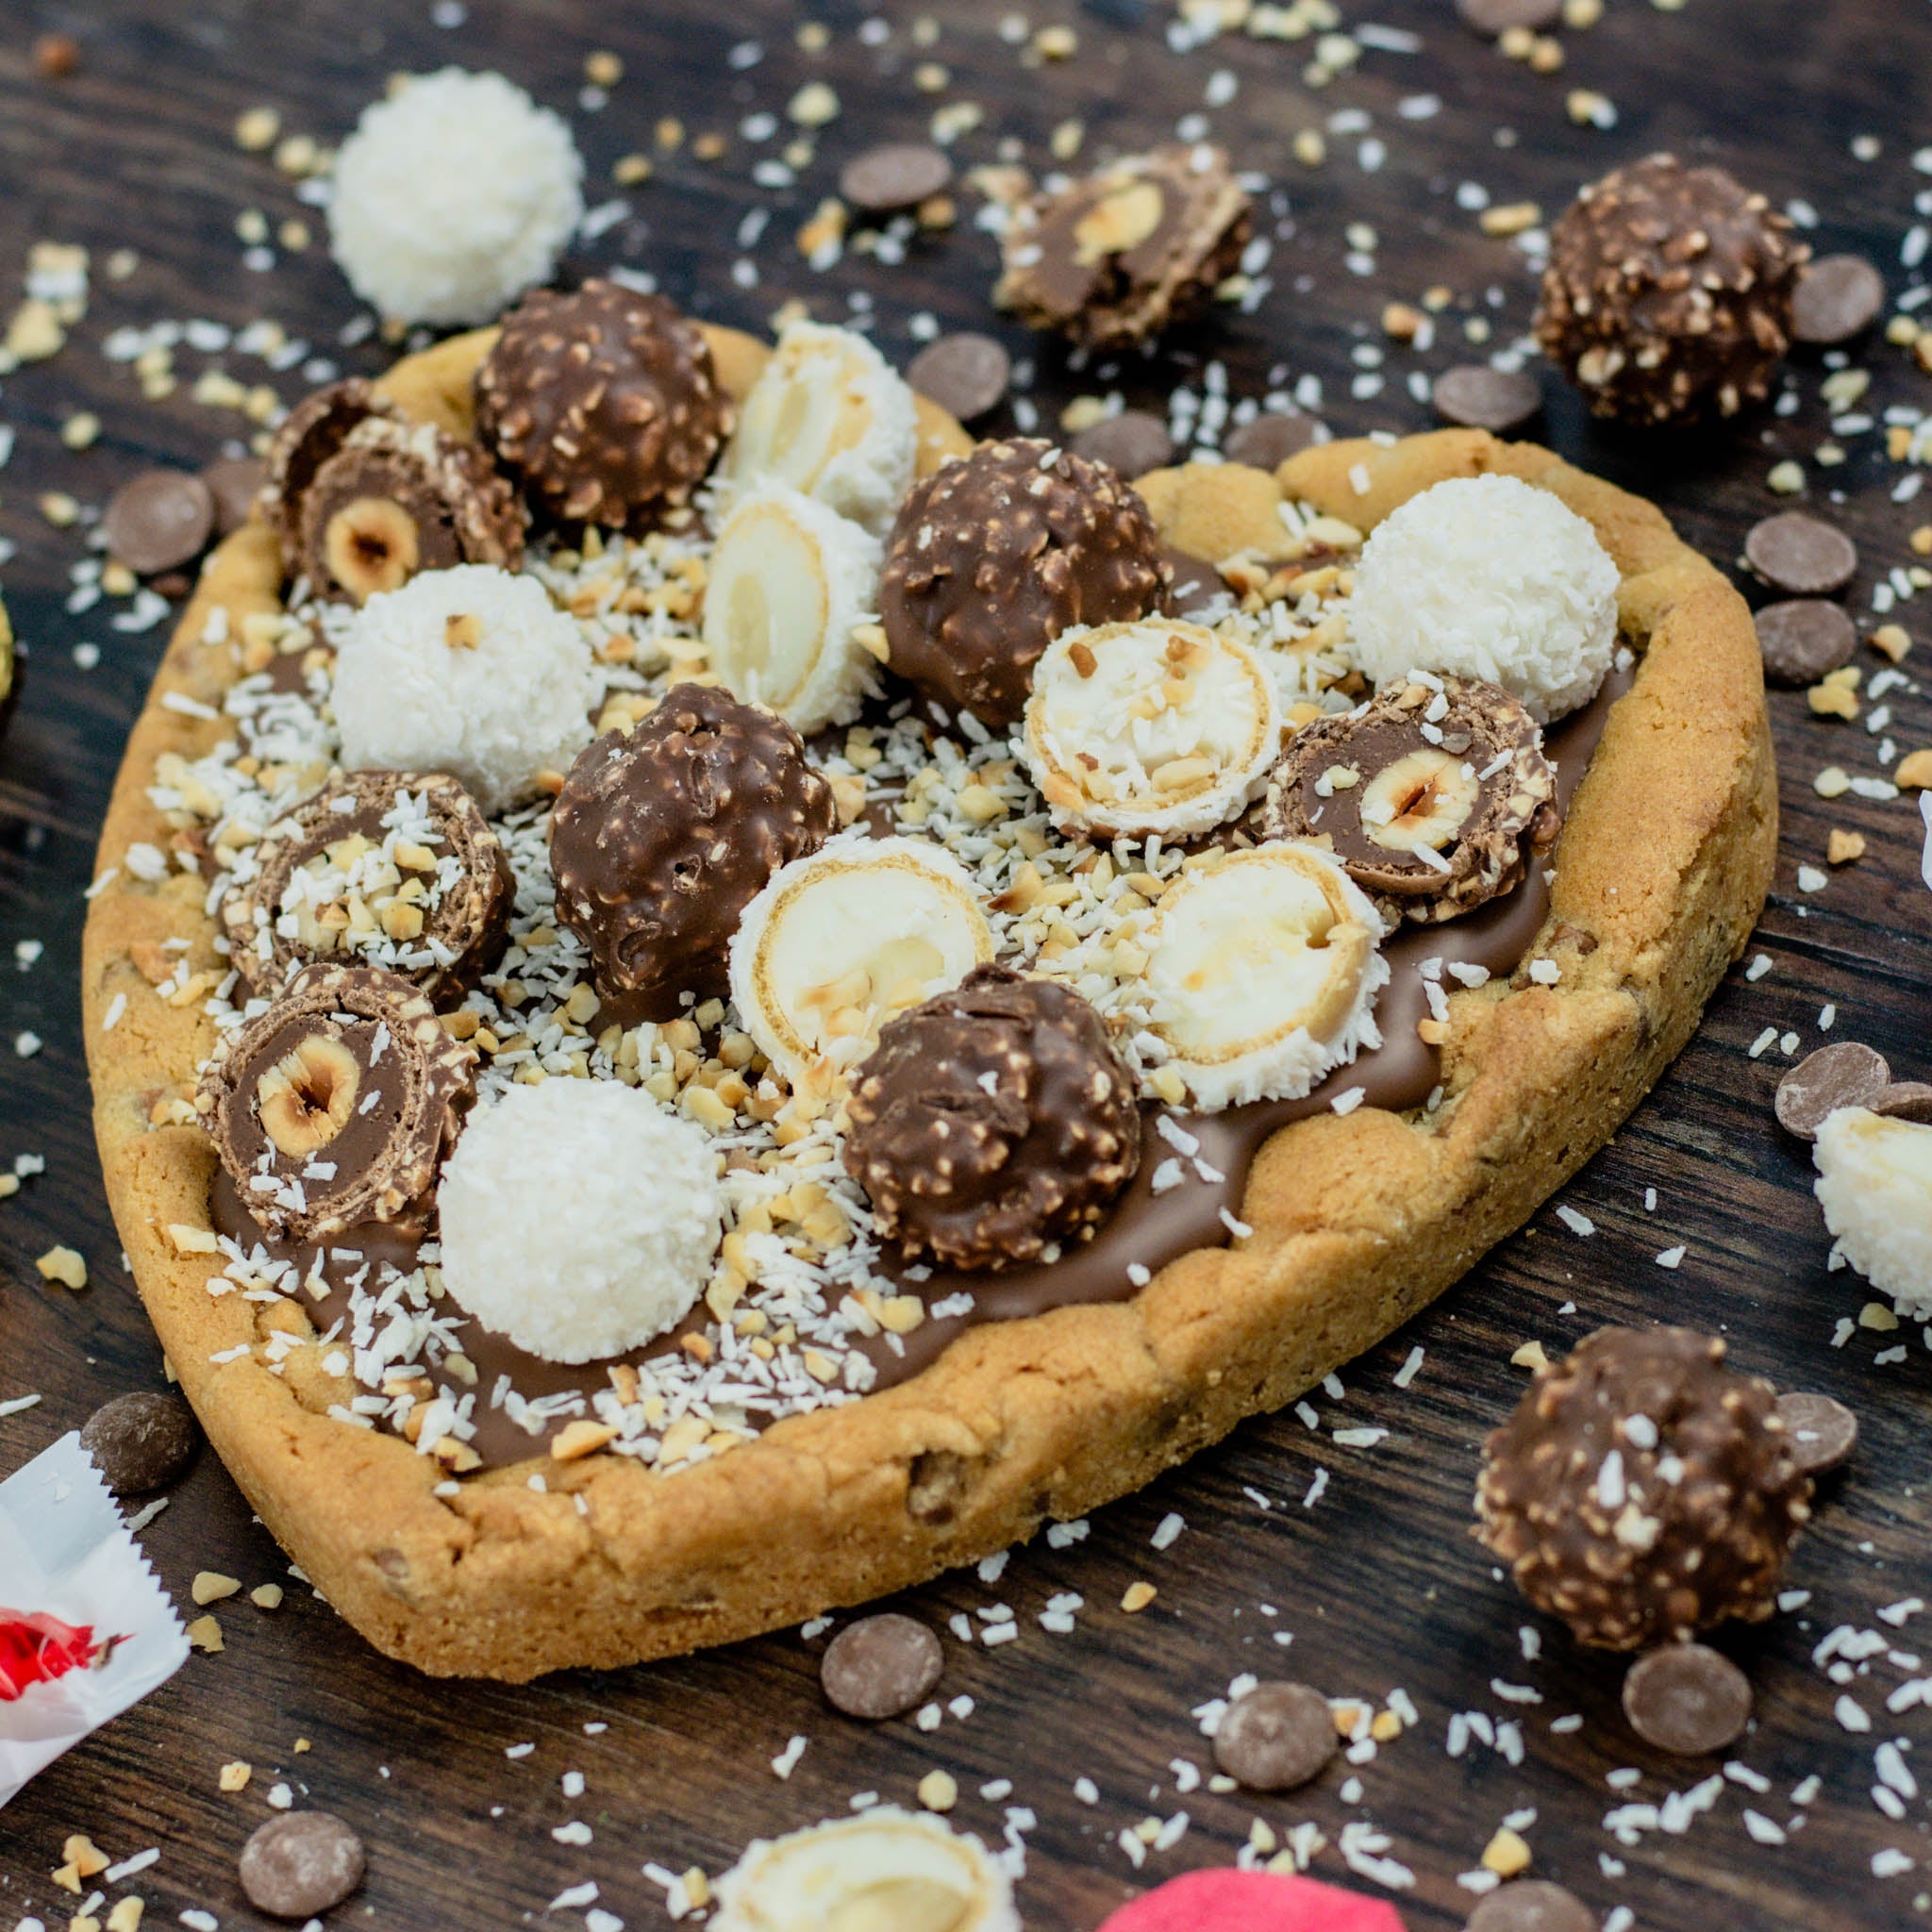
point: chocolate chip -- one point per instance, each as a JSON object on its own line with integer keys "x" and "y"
{"x": 141, "y": 1441}
{"x": 966, "y": 374}
{"x": 1687, "y": 1699}
{"x": 1499, "y": 16}
{"x": 1132, "y": 442}
{"x": 1843, "y": 1074}
{"x": 1803, "y": 639}
{"x": 880, "y": 1666}
{"x": 1195, "y": 584}
{"x": 1836, "y": 297}
{"x": 1276, "y": 1737}
{"x": 235, "y": 483}
{"x": 1532, "y": 1904}
{"x": 159, "y": 521}
{"x": 1823, "y": 1432}
{"x": 1479, "y": 397}
{"x": 301, "y": 1863}
{"x": 1270, "y": 440}
{"x": 1801, "y": 556}
{"x": 897, "y": 175}
{"x": 1905, "y": 1100}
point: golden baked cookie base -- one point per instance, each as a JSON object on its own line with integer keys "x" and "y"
{"x": 1358, "y": 1220}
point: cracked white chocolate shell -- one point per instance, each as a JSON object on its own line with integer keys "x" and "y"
{"x": 1154, "y": 727}
{"x": 830, "y": 417}
{"x": 1874, "y": 1183}
{"x": 840, "y": 941}
{"x": 1263, "y": 972}
{"x": 790, "y": 583}
{"x": 885, "y": 1871}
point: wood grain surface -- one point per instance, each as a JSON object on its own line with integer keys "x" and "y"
{"x": 1375, "y": 1579}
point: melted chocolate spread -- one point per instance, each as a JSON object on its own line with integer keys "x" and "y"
{"x": 1144, "y": 1230}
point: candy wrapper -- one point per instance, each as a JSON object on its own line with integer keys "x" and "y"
{"x": 1226, "y": 1901}
{"x": 85, "y": 1628}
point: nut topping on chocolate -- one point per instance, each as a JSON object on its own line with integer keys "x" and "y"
{"x": 661, "y": 838}
{"x": 994, "y": 555}
{"x": 1642, "y": 1491}
{"x": 993, "y": 1120}
{"x": 337, "y": 1104}
{"x": 1668, "y": 294}
{"x": 1434, "y": 799}
{"x": 1120, "y": 255}
{"x": 603, "y": 402}
{"x": 386, "y": 868}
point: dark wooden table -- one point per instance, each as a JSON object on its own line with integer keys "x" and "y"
{"x": 1377, "y": 1580}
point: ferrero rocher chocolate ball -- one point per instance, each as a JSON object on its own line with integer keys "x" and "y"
{"x": 1668, "y": 293}
{"x": 661, "y": 837}
{"x": 603, "y": 402}
{"x": 1642, "y": 1491}
{"x": 991, "y": 1120}
{"x": 994, "y": 554}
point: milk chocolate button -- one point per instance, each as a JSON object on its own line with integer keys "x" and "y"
{"x": 235, "y": 483}
{"x": 1801, "y": 556}
{"x": 1532, "y": 1904}
{"x": 1270, "y": 440}
{"x": 965, "y": 374}
{"x": 1276, "y": 1737}
{"x": 1843, "y": 1074}
{"x": 1823, "y": 1432}
{"x": 1479, "y": 397}
{"x": 1687, "y": 1699}
{"x": 880, "y": 1666}
{"x": 1838, "y": 297}
{"x": 1499, "y": 16}
{"x": 159, "y": 521}
{"x": 1803, "y": 639}
{"x": 301, "y": 1863}
{"x": 141, "y": 1441}
{"x": 1132, "y": 442}
{"x": 895, "y": 176}
{"x": 1905, "y": 1100}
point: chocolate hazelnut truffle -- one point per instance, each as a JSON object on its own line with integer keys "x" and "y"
{"x": 661, "y": 837}
{"x": 389, "y": 869}
{"x": 1434, "y": 799}
{"x": 1124, "y": 253}
{"x": 994, "y": 555}
{"x": 1668, "y": 294}
{"x": 603, "y": 402}
{"x": 1642, "y": 1491}
{"x": 993, "y": 1120}
{"x": 337, "y": 1104}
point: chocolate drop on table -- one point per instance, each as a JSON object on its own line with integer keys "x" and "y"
{"x": 141, "y": 1441}
{"x": 1823, "y": 1432}
{"x": 1532, "y": 1904}
{"x": 1478, "y": 397}
{"x": 880, "y": 1666}
{"x": 1905, "y": 1100}
{"x": 1499, "y": 16}
{"x": 159, "y": 521}
{"x": 301, "y": 1863}
{"x": 1687, "y": 1699}
{"x": 1845, "y": 1074}
{"x": 1276, "y": 1737}
{"x": 235, "y": 483}
{"x": 1838, "y": 297}
{"x": 1803, "y": 639}
{"x": 1270, "y": 440}
{"x": 966, "y": 374}
{"x": 1133, "y": 442}
{"x": 895, "y": 176}
{"x": 1800, "y": 555}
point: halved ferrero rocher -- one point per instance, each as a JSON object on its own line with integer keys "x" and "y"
{"x": 790, "y": 583}
{"x": 336, "y": 1106}
{"x": 1435, "y": 796}
{"x": 1158, "y": 727}
{"x": 1262, "y": 974}
{"x": 838, "y": 941}
{"x": 307, "y": 437}
{"x": 392, "y": 869}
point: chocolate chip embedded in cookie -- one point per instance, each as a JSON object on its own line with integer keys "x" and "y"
{"x": 1120, "y": 255}
{"x": 1434, "y": 797}
{"x": 993, "y": 1120}
{"x": 337, "y": 1104}
{"x": 1668, "y": 293}
{"x": 662, "y": 837}
{"x": 994, "y": 555}
{"x": 603, "y": 402}
{"x": 1642, "y": 1491}
{"x": 389, "y": 868}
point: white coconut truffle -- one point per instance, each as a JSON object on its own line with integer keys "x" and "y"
{"x": 1874, "y": 1183}
{"x": 470, "y": 670}
{"x": 831, "y": 417}
{"x": 578, "y": 1218}
{"x": 886, "y": 1868}
{"x": 452, "y": 197}
{"x": 1485, "y": 577}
